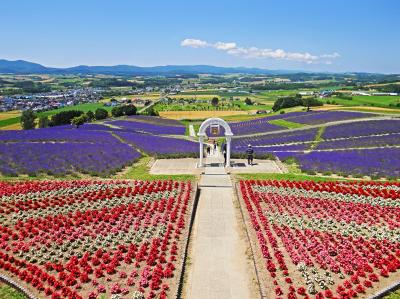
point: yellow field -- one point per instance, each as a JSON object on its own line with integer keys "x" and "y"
{"x": 12, "y": 127}
{"x": 9, "y": 114}
{"x": 359, "y": 108}
{"x": 192, "y": 96}
{"x": 327, "y": 107}
{"x": 201, "y": 114}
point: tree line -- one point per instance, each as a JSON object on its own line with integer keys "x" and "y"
{"x": 74, "y": 117}
{"x": 293, "y": 101}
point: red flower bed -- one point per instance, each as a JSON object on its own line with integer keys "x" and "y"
{"x": 84, "y": 238}
{"x": 331, "y": 239}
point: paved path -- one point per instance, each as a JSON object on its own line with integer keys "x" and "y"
{"x": 219, "y": 268}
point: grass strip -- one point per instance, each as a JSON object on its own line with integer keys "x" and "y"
{"x": 285, "y": 123}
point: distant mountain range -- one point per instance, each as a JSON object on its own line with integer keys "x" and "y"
{"x": 26, "y": 67}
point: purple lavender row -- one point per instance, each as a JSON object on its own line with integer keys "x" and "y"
{"x": 160, "y": 145}
{"x": 369, "y": 141}
{"x": 155, "y": 120}
{"x": 362, "y": 128}
{"x": 58, "y": 134}
{"x": 148, "y": 128}
{"x": 270, "y": 149}
{"x": 278, "y": 138}
{"x": 376, "y": 162}
{"x": 261, "y": 125}
{"x": 321, "y": 117}
{"x": 63, "y": 158}
{"x": 381, "y": 162}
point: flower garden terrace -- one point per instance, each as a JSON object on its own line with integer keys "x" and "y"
{"x": 328, "y": 240}
{"x": 85, "y": 238}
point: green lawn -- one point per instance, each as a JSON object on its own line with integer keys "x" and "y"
{"x": 9, "y": 121}
{"x": 8, "y": 292}
{"x": 83, "y": 107}
{"x": 140, "y": 171}
{"x": 394, "y": 295}
{"x": 285, "y": 123}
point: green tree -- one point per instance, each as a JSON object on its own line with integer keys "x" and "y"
{"x": 90, "y": 115}
{"x": 100, "y": 113}
{"x": 28, "y": 119}
{"x": 43, "y": 121}
{"x": 150, "y": 111}
{"x": 248, "y": 101}
{"x": 129, "y": 110}
{"x": 214, "y": 101}
{"x": 79, "y": 120}
{"x": 64, "y": 117}
{"x": 117, "y": 111}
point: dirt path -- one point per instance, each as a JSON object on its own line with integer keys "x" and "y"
{"x": 219, "y": 265}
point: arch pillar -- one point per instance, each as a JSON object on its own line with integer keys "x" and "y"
{"x": 228, "y": 151}
{"x": 201, "y": 153}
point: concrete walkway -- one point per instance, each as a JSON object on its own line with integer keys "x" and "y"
{"x": 218, "y": 265}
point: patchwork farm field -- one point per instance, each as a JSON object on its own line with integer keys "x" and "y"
{"x": 86, "y": 239}
{"x": 323, "y": 240}
{"x": 201, "y": 114}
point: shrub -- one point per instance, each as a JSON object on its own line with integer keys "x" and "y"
{"x": 64, "y": 117}
{"x": 100, "y": 113}
{"x": 43, "y": 122}
{"x": 28, "y": 119}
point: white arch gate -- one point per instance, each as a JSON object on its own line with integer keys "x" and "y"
{"x": 228, "y": 136}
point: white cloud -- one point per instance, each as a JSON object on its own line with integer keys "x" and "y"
{"x": 231, "y": 48}
{"x": 224, "y": 46}
{"x": 333, "y": 55}
{"x": 194, "y": 43}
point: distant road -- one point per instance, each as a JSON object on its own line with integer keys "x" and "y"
{"x": 152, "y": 104}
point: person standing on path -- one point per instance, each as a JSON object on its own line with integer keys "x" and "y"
{"x": 224, "y": 152}
{"x": 215, "y": 147}
{"x": 250, "y": 154}
{"x": 208, "y": 150}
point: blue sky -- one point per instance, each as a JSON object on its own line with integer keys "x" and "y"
{"x": 352, "y": 35}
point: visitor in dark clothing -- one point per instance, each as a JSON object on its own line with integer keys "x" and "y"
{"x": 224, "y": 152}
{"x": 250, "y": 154}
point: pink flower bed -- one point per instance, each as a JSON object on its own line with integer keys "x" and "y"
{"x": 87, "y": 238}
{"x": 325, "y": 240}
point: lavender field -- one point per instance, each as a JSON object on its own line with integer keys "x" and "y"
{"x": 321, "y": 117}
{"x": 373, "y": 127}
{"x": 161, "y": 146}
{"x": 263, "y": 125}
{"x": 55, "y": 158}
{"x": 378, "y": 162}
{"x": 146, "y": 127}
{"x": 356, "y": 148}
{"x": 94, "y": 149}
{"x": 277, "y": 138}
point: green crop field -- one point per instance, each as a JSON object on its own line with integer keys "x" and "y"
{"x": 83, "y": 107}
{"x": 372, "y": 101}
